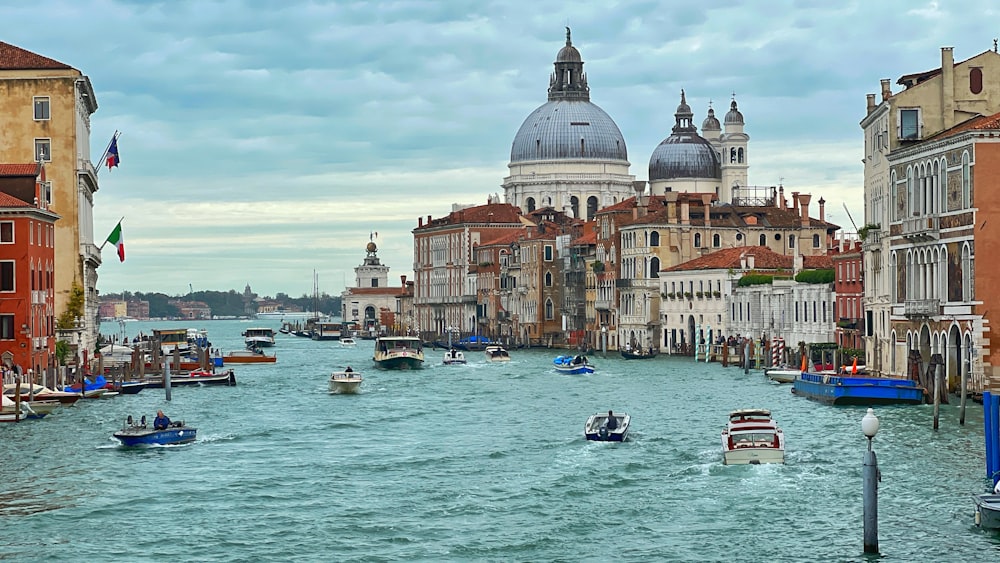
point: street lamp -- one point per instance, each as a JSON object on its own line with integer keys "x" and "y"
{"x": 871, "y": 478}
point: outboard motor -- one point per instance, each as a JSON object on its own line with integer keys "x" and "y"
{"x": 603, "y": 432}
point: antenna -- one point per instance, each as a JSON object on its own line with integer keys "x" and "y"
{"x": 851, "y": 218}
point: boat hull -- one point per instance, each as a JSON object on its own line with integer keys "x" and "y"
{"x": 634, "y": 356}
{"x": 227, "y": 378}
{"x": 848, "y": 390}
{"x": 400, "y": 363}
{"x": 575, "y": 370}
{"x": 987, "y": 511}
{"x": 345, "y": 386}
{"x": 782, "y": 375}
{"x": 131, "y": 437}
{"x": 753, "y": 456}
{"x": 595, "y": 430}
{"x": 398, "y": 353}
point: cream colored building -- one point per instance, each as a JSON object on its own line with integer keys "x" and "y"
{"x": 45, "y": 109}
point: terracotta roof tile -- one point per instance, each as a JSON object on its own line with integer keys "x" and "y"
{"x": 7, "y": 200}
{"x": 19, "y": 169}
{"x": 978, "y": 123}
{"x": 505, "y": 239}
{"x": 764, "y": 259}
{"x": 823, "y": 262}
{"x": 490, "y": 213}
{"x": 589, "y": 235}
{"x": 375, "y": 290}
{"x": 16, "y": 58}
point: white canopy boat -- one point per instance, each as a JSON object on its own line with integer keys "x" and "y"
{"x": 345, "y": 382}
{"x": 752, "y": 437}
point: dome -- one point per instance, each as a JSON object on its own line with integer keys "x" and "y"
{"x": 568, "y": 54}
{"x": 568, "y": 129}
{"x": 684, "y": 155}
{"x": 734, "y": 117}
{"x": 711, "y": 123}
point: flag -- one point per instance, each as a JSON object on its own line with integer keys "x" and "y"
{"x": 113, "y": 159}
{"x": 116, "y": 239}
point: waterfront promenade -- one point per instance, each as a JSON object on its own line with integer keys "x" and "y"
{"x": 484, "y": 462}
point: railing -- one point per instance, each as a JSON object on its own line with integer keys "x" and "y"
{"x": 38, "y": 297}
{"x": 925, "y": 227}
{"x": 921, "y": 307}
{"x": 90, "y": 253}
{"x": 602, "y": 304}
{"x": 873, "y": 241}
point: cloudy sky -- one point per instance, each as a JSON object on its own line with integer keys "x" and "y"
{"x": 262, "y": 140}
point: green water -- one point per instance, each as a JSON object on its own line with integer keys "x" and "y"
{"x": 483, "y": 462}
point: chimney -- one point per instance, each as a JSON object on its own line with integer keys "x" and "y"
{"x": 685, "y": 213}
{"x": 795, "y": 202}
{"x": 822, "y": 209}
{"x": 706, "y": 200}
{"x": 947, "y": 88}
{"x": 804, "y": 207}
{"x": 886, "y": 90}
{"x": 420, "y": 222}
{"x": 870, "y": 98}
{"x": 781, "y": 197}
{"x": 428, "y": 219}
{"x": 402, "y": 280}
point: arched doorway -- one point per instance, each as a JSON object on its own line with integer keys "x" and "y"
{"x": 370, "y": 322}
{"x": 953, "y": 361}
{"x": 591, "y": 207}
{"x": 691, "y": 336}
{"x": 925, "y": 348}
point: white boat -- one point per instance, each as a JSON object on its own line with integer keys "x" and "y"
{"x": 288, "y": 315}
{"x": 399, "y": 352}
{"x": 496, "y": 353}
{"x": 345, "y": 382}
{"x": 596, "y": 427}
{"x": 454, "y": 357}
{"x": 782, "y": 374}
{"x": 258, "y": 337}
{"x": 752, "y": 437}
{"x": 348, "y": 342}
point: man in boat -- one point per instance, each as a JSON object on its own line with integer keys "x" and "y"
{"x": 612, "y": 423}
{"x": 161, "y": 422}
{"x": 348, "y": 370}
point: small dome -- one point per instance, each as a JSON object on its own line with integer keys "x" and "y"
{"x": 734, "y": 117}
{"x": 370, "y": 247}
{"x": 568, "y": 54}
{"x": 711, "y": 123}
{"x": 684, "y": 155}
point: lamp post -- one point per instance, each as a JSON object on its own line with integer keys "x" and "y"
{"x": 871, "y": 478}
{"x": 604, "y": 340}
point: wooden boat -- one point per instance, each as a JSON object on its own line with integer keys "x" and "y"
{"x": 496, "y": 353}
{"x": 129, "y": 387}
{"x": 258, "y": 337}
{"x": 454, "y": 357}
{"x": 578, "y": 364}
{"x": 782, "y": 374}
{"x": 345, "y": 382}
{"x": 197, "y": 377}
{"x": 40, "y": 393}
{"x": 140, "y": 434}
{"x": 851, "y": 390}
{"x": 596, "y": 427}
{"x": 247, "y": 357}
{"x": 399, "y": 352}
{"x": 987, "y": 511}
{"x": 638, "y": 354}
{"x": 752, "y": 437}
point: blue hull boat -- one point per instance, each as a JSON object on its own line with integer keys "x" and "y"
{"x": 573, "y": 365}
{"x": 853, "y": 390}
{"x": 139, "y": 434}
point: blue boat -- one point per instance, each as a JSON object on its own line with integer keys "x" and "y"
{"x": 140, "y": 434}
{"x": 854, "y": 390}
{"x": 578, "y": 364}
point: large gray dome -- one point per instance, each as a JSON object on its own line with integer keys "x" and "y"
{"x": 568, "y": 129}
{"x": 685, "y": 153}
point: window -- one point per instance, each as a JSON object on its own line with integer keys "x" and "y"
{"x": 815, "y": 241}
{"x": 697, "y": 240}
{"x": 41, "y": 104}
{"x": 716, "y": 241}
{"x": 43, "y": 149}
{"x": 548, "y": 279}
{"x": 791, "y": 242}
{"x": 909, "y": 124}
{"x": 7, "y": 275}
{"x": 975, "y": 80}
{"x": 763, "y": 240}
{"x": 966, "y": 181}
{"x": 374, "y": 282}
{"x": 548, "y": 253}
{"x": 6, "y": 327}
{"x": 654, "y": 238}
{"x": 548, "y": 310}
{"x": 7, "y": 232}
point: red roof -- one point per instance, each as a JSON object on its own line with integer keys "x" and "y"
{"x": 16, "y": 58}
{"x": 978, "y": 123}
{"x": 375, "y": 290}
{"x": 7, "y": 200}
{"x": 505, "y": 239}
{"x": 19, "y": 169}
{"x": 764, "y": 259}
{"x": 589, "y": 235}
{"x": 491, "y": 213}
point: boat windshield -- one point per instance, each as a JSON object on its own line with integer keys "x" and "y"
{"x": 753, "y": 439}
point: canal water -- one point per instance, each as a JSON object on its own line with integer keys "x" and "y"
{"x": 483, "y": 462}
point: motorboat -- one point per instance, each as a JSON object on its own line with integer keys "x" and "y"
{"x": 399, "y": 352}
{"x": 345, "y": 382}
{"x": 326, "y": 330}
{"x": 258, "y": 337}
{"x": 196, "y": 377}
{"x": 348, "y": 342}
{"x": 782, "y": 374}
{"x": 454, "y": 357}
{"x": 92, "y": 388}
{"x": 752, "y": 437}
{"x": 578, "y": 364}
{"x": 596, "y": 427}
{"x": 630, "y": 353}
{"x": 12, "y": 410}
{"x": 40, "y": 393}
{"x": 247, "y": 357}
{"x": 496, "y": 353}
{"x": 135, "y": 433}
{"x": 987, "y": 510}
{"x": 837, "y": 389}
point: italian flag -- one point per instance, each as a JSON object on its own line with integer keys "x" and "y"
{"x": 116, "y": 239}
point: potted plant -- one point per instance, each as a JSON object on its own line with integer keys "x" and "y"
{"x": 699, "y": 294}
{"x": 687, "y": 294}
{"x": 717, "y": 294}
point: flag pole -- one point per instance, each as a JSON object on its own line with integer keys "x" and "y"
{"x": 100, "y": 248}
{"x": 104, "y": 156}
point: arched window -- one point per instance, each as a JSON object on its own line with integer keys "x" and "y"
{"x": 763, "y": 240}
{"x": 530, "y": 204}
{"x": 548, "y": 279}
{"x": 967, "y": 274}
{"x": 549, "y": 314}
{"x": 966, "y": 182}
{"x": 574, "y": 203}
{"x": 815, "y": 241}
{"x": 739, "y": 155}
{"x": 716, "y": 240}
{"x": 654, "y": 238}
{"x": 791, "y": 241}
{"x": 893, "y": 198}
{"x": 654, "y": 267}
{"x": 591, "y": 207}
{"x": 732, "y": 154}
{"x": 697, "y": 240}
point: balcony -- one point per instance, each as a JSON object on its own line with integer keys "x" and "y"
{"x": 603, "y": 304}
{"x": 923, "y": 228}
{"x": 873, "y": 241}
{"x": 90, "y": 254}
{"x": 37, "y": 297}
{"x": 919, "y": 308}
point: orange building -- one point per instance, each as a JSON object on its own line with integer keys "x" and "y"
{"x": 27, "y": 260}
